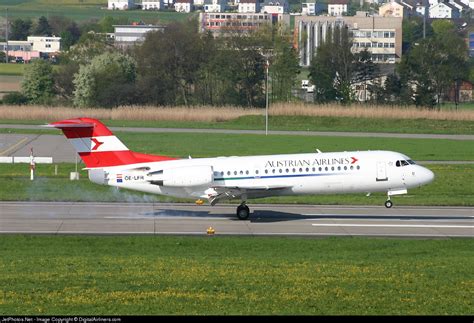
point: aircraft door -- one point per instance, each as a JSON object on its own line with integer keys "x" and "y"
{"x": 381, "y": 171}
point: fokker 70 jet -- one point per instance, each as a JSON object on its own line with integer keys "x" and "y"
{"x": 110, "y": 162}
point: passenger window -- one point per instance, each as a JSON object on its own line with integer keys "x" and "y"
{"x": 256, "y": 172}
{"x": 266, "y": 171}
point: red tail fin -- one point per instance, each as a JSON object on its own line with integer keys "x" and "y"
{"x": 97, "y": 145}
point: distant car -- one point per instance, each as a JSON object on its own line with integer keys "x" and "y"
{"x": 19, "y": 60}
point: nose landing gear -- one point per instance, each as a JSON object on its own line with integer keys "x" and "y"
{"x": 388, "y": 204}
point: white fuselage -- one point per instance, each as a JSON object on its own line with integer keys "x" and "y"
{"x": 262, "y": 176}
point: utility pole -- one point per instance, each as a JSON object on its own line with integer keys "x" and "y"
{"x": 266, "y": 97}
{"x": 6, "y": 38}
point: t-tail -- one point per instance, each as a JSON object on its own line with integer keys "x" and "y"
{"x": 98, "y": 147}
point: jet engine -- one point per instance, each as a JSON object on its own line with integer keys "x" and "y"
{"x": 182, "y": 176}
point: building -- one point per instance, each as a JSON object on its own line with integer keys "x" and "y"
{"x": 392, "y": 9}
{"x": 128, "y": 35}
{"x": 224, "y": 23}
{"x": 249, "y": 6}
{"x": 33, "y": 47}
{"x": 45, "y": 44}
{"x": 444, "y": 10}
{"x": 312, "y": 8}
{"x": 153, "y": 5}
{"x": 381, "y": 36}
{"x": 184, "y": 5}
{"x": 20, "y": 49}
{"x": 121, "y": 4}
{"x": 276, "y": 6}
{"x": 215, "y": 5}
{"x": 337, "y": 7}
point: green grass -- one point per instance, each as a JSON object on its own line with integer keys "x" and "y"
{"x": 300, "y": 123}
{"x": 82, "y": 11}
{"x": 11, "y": 69}
{"x": 214, "y": 145}
{"x": 86, "y": 275}
{"x": 452, "y": 187}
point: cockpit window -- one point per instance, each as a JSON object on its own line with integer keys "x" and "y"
{"x": 401, "y": 163}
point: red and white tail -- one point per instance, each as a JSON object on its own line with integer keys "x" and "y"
{"x": 97, "y": 145}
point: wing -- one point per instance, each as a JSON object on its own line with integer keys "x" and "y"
{"x": 217, "y": 193}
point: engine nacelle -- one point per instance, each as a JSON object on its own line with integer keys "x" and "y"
{"x": 183, "y": 176}
{"x": 98, "y": 176}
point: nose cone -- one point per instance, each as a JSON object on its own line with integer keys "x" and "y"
{"x": 426, "y": 176}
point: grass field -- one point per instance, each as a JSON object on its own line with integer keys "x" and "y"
{"x": 12, "y": 69}
{"x": 73, "y": 275}
{"x": 452, "y": 186}
{"x": 82, "y": 10}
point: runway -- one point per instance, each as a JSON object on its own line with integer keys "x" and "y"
{"x": 265, "y": 220}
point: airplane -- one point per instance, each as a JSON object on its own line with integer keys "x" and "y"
{"x": 110, "y": 162}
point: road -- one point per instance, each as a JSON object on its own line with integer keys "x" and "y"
{"x": 266, "y": 220}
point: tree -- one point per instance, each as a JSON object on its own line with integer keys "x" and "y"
{"x": 38, "y": 84}
{"x": 89, "y": 46}
{"x": 168, "y": 64}
{"x": 108, "y": 81}
{"x": 42, "y": 27}
{"x": 432, "y": 67}
{"x": 20, "y": 29}
{"x": 332, "y": 71}
{"x": 63, "y": 79}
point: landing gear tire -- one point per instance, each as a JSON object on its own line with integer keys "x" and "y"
{"x": 243, "y": 212}
{"x": 388, "y": 204}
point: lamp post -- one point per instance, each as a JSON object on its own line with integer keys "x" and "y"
{"x": 6, "y": 38}
{"x": 266, "y": 96}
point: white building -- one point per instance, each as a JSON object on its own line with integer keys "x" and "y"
{"x": 337, "y": 7}
{"x": 45, "y": 44}
{"x": 249, "y": 6}
{"x": 121, "y": 4}
{"x": 444, "y": 10}
{"x": 126, "y": 35}
{"x": 184, "y": 5}
{"x": 152, "y": 5}
{"x": 214, "y": 5}
{"x": 276, "y": 6}
{"x": 381, "y": 36}
{"x": 308, "y": 8}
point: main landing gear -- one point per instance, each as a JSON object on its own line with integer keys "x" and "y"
{"x": 388, "y": 204}
{"x": 243, "y": 211}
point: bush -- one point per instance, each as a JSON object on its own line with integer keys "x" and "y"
{"x": 15, "y": 98}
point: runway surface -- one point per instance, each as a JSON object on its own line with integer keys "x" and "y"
{"x": 271, "y": 132}
{"x": 190, "y": 219}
